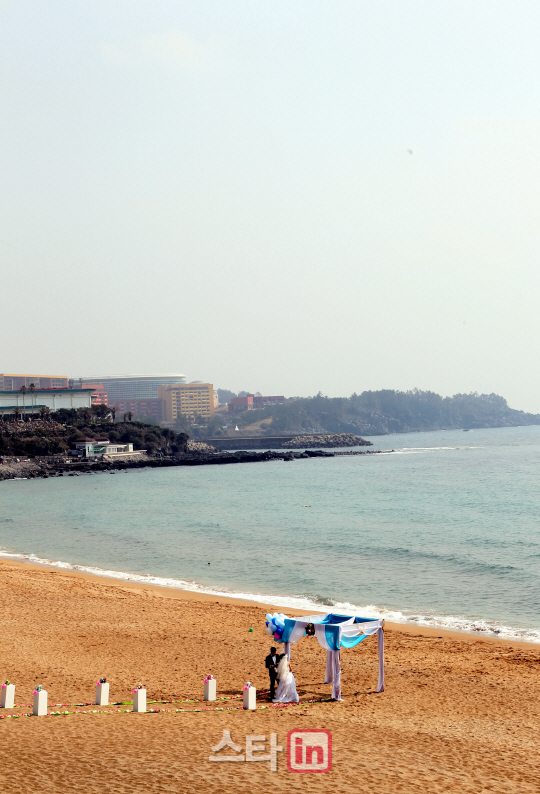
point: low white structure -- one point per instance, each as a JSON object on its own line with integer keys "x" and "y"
{"x": 103, "y": 448}
{"x": 53, "y": 399}
{"x": 250, "y": 698}
{"x": 40, "y": 703}
{"x": 102, "y": 694}
{"x": 210, "y": 689}
{"x": 87, "y": 447}
{"x": 7, "y": 698}
{"x": 139, "y": 699}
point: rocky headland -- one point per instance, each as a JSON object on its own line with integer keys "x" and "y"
{"x": 60, "y": 466}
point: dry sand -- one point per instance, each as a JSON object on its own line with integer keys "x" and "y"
{"x": 459, "y": 714}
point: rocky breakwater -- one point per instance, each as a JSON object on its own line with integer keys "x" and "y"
{"x": 326, "y": 441}
{"x": 57, "y": 466}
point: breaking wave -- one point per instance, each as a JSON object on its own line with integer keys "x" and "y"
{"x": 461, "y": 623}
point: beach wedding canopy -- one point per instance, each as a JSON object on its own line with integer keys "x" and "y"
{"x": 333, "y": 632}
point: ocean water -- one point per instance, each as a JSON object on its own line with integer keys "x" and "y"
{"x": 444, "y": 531}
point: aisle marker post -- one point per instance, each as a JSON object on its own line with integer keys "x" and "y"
{"x": 7, "y": 699}
{"x": 102, "y": 693}
{"x": 40, "y": 702}
{"x": 250, "y": 697}
{"x": 210, "y": 689}
{"x": 139, "y": 699}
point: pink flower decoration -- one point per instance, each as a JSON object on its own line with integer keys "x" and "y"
{"x": 35, "y": 692}
{"x": 4, "y": 686}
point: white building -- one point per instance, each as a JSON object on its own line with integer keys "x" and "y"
{"x": 53, "y": 399}
{"x": 103, "y": 448}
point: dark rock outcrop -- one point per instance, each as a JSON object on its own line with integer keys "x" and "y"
{"x": 327, "y": 440}
{"x": 59, "y": 466}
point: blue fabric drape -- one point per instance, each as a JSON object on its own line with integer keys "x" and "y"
{"x": 332, "y": 636}
{"x": 331, "y": 630}
{"x": 334, "y": 619}
{"x": 287, "y": 631}
{"x": 351, "y": 642}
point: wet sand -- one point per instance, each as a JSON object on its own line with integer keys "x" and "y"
{"x": 459, "y": 714}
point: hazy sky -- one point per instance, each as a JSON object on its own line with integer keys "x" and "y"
{"x": 226, "y": 189}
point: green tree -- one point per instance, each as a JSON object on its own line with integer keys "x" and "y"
{"x": 101, "y": 412}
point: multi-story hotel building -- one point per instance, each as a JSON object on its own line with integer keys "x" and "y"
{"x": 141, "y": 409}
{"x": 11, "y": 382}
{"x": 189, "y": 399}
{"x": 134, "y": 394}
{"x": 123, "y": 388}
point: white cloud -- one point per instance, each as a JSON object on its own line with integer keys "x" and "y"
{"x": 171, "y": 48}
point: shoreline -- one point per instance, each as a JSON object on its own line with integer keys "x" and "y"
{"x": 58, "y": 466}
{"x": 178, "y": 593}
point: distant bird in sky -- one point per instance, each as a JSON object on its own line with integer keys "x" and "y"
{"x": 410, "y": 151}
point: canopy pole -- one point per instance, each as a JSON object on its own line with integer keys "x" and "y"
{"x": 380, "y": 643}
{"x": 336, "y": 669}
{"x": 287, "y": 650}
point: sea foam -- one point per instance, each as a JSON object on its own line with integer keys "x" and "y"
{"x": 470, "y": 625}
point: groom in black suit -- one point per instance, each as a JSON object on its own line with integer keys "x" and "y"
{"x": 272, "y": 661}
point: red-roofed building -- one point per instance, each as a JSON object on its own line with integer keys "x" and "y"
{"x": 252, "y": 402}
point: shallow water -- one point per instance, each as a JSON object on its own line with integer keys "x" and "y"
{"x": 444, "y": 531}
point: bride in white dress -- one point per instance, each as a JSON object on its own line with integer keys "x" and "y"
{"x": 286, "y": 691}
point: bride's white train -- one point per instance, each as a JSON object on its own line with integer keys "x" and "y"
{"x": 286, "y": 691}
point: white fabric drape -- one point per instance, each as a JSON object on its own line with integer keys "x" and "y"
{"x": 320, "y": 633}
{"x": 333, "y": 673}
{"x": 356, "y": 629}
{"x": 329, "y": 674}
{"x": 298, "y": 631}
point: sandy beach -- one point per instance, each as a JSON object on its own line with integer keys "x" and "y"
{"x": 459, "y": 714}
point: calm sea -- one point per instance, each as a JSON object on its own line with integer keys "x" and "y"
{"x": 444, "y": 531}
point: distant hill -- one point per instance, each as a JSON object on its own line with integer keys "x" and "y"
{"x": 387, "y": 411}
